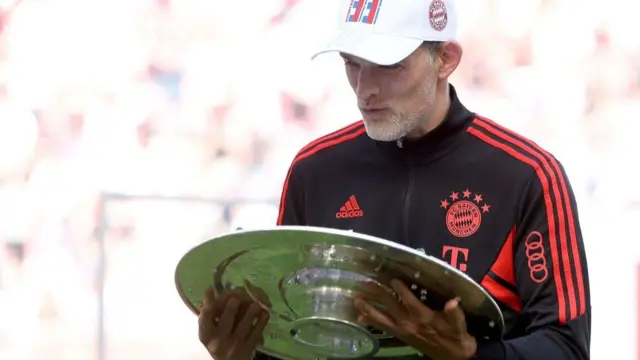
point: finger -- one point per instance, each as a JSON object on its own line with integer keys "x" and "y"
{"x": 365, "y": 319}
{"x": 207, "y": 302}
{"x": 238, "y": 341}
{"x": 255, "y": 337}
{"x": 242, "y": 294}
{"x": 386, "y": 304}
{"x": 373, "y": 316}
{"x": 244, "y": 327}
{"x": 455, "y": 314}
{"x": 228, "y": 318}
{"x": 410, "y": 302}
{"x": 388, "y": 301}
{"x": 212, "y": 306}
{"x": 210, "y": 310}
{"x": 377, "y": 295}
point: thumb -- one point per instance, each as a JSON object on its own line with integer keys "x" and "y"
{"x": 455, "y": 314}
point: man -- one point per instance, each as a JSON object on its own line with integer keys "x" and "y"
{"x": 424, "y": 171}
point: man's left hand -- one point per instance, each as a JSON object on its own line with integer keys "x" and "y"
{"x": 441, "y": 335}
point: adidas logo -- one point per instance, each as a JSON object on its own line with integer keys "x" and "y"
{"x": 350, "y": 209}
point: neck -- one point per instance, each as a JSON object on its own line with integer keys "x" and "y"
{"x": 437, "y": 114}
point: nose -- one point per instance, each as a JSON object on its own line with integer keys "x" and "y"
{"x": 368, "y": 83}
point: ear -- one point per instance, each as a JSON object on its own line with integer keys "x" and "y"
{"x": 450, "y": 55}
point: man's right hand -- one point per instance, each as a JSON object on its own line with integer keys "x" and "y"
{"x": 231, "y": 325}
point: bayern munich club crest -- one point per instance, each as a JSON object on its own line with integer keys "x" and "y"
{"x": 464, "y": 212}
{"x": 438, "y": 15}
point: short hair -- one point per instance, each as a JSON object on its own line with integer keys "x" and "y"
{"x": 433, "y": 47}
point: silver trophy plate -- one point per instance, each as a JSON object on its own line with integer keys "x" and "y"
{"x": 308, "y": 277}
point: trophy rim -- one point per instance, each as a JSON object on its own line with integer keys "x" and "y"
{"x": 194, "y": 306}
{"x": 331, "y": 231}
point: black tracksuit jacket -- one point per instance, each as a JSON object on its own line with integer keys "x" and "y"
{"x": 481, "y": 197}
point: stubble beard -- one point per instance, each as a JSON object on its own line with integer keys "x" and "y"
{"x": 391, "y": 129}
{"x": 397, "y": 126}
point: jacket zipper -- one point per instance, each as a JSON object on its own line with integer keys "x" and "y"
{"x": 407, "y": 201}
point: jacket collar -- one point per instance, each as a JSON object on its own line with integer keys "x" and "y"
{"x": 438, "y": 140}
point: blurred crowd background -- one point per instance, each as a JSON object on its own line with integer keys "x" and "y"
{"x": 200, "y": 105}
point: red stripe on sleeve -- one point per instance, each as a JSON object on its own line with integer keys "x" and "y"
{"x": 562, "y": 204}
{"x": 334, "y": 134}
{"x": 570, "y": 217}
{"x": 320, "y": 146}
{"x": 283, "y": 196}
{"x": 549, "y": 209}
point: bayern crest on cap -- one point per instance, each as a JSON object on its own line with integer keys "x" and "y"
{"x": 385, "y": 32}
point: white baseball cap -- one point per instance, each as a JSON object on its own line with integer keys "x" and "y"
{"x": 385, "y": 32}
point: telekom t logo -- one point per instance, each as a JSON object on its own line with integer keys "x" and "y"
{"x": 456, "y": 256}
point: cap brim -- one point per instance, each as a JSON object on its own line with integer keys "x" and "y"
{"x": 376, "y": 48}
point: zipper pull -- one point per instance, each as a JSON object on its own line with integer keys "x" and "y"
{"x": 400, "y": 143}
